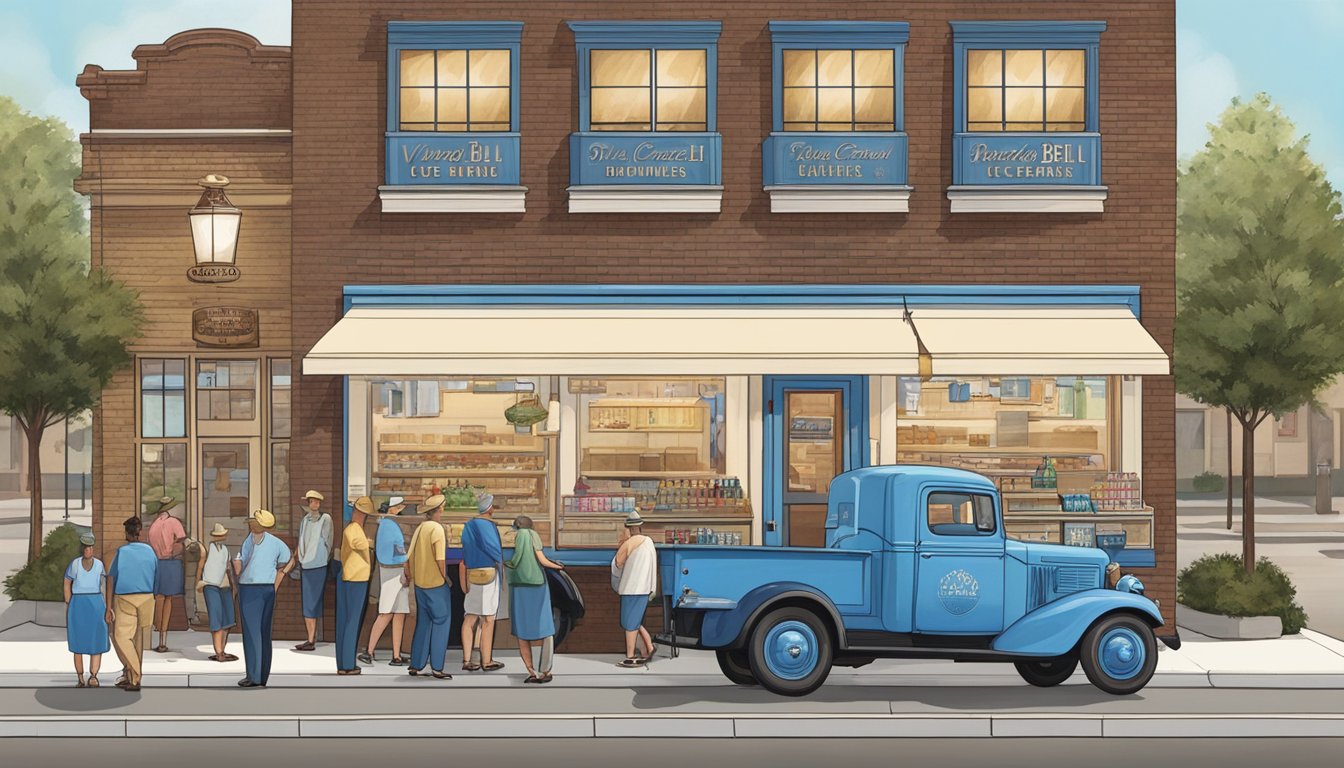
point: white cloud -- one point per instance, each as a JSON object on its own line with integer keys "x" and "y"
{"x": 28, "y": 76}
{"x": 1206, "y": 81}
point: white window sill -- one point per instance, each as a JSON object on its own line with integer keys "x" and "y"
{"x": 1036, "y": 199}
{"x": 645, "y": 199}
{"x": 452, "y": 199}
{"x": 839, "y": 199}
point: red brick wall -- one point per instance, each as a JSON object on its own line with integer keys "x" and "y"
{"x": 341, "y": 237}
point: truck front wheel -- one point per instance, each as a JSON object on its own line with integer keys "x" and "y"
{"x": 735, "y": 666}
{"x": 1045, "y": 673}
{"x": 790, "y": 652}
{"x": 1119, "y": 654}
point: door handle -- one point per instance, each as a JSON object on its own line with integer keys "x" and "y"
{"x": 925, "y": 556}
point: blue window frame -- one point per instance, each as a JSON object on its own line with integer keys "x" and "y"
{"x": 647, "y": 103}
{"x": 452, "y": 102}
{"x": 838, "y": 90}
{"x": 1026, "y": 102}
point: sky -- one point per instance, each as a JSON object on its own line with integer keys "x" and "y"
{"x": 1289, "y": 49}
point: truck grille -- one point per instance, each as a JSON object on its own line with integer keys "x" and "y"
{"x": 1047, "y": 583}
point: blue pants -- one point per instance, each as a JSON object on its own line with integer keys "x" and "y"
{"x": 256, "y": 603}
{"x": 352, "y": 600}
{"x": 430, "y": 641}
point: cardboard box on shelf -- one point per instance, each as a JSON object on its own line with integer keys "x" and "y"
{"x": 681, "y": 460}
{"x": 1074, "y": 438}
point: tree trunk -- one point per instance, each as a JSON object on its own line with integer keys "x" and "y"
{"x": 34, "y": 437}
{"x": 1248, "y": 497}
{"x": 1229, "y": 469}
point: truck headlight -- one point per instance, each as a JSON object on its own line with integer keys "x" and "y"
{"x": 1130, "y": 583}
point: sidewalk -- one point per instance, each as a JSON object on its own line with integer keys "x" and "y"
{"x": 36, "y": 657}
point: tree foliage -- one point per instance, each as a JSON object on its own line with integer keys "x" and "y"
{"x": 64, "y": 329}
{"x": 1259, "y": 276}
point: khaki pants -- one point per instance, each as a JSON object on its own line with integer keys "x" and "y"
{"x": 134, "y": 615}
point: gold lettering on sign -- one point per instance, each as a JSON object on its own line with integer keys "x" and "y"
{"x": 225, "y": 327}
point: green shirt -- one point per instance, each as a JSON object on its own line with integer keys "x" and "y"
{"x": 524, "y": 569}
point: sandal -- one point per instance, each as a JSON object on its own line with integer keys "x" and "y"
{"x": 214, "y": 658}
{"x": 441, "y": 675}
{"x": 532, "y": 679}
{"x": 93, "y": 681}
{"x": 546, "y": 678}
{"x": 630, "y": 662}
{"x": 228, "y": 657}
{"x": 80, "y": 684}
{"x": 160, "y": 648}
{"x": 492, "y": 666}
{"x": 471, "y": 667}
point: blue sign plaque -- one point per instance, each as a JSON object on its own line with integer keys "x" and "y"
{"x": 601, "y": 158}
{"x": 452, "y": 159}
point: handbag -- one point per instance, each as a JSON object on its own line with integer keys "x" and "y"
{"x": 525, "y": 412}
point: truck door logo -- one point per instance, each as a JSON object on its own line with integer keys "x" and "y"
{"x": 959, "y": 592}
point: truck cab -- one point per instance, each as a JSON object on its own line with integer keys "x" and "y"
{"x": 915, "y": 565}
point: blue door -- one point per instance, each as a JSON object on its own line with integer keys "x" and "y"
{"x": 815, "y": 429}
{"x": 959, "y": 573}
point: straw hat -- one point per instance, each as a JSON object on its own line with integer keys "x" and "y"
{"x": 86, "y": 539}
{"x": 484, "y": 502}
{"x": 432, "y": 503}
{"x": 219, "y": 531}
{"x": 633, "y": 519}
{"x": 394, "y": 501}
{"x": 166, "y": 503}
{"x": 314, "y": 495}
{"x": 364, "y": 505}
{"x": 263, "y": 517}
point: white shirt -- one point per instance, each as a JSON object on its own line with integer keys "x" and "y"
{"x": 314, "y": 540}
{"x": 216, "y": 564}
{"x": 639, "y": 575}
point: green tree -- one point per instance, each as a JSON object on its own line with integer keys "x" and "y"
{"x": 1259, "y": 278}
{"x": 64, "y": 329}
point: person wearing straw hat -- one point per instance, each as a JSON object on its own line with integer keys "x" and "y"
{"x": 86, "y": 611}
{"x": 214, "y": 583}
{"x": 313, "y": 555}
{"x": 633, "y": 574}
{"x": 426, "y": 568}
{"x": 167, "y": 537}
{"x": 260, "y": 568}
{"x": 352, "y": 588}
{"x": 130, "y": 601}
{"x": 478, "y": 572}
{"x": 394, "y": 597}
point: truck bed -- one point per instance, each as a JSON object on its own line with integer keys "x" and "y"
{"x": 728, "y": 573}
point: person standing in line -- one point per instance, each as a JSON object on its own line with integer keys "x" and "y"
{"x": 215, "y": 584}
{"x": 86, "y": 612}
{"x": 167, "y": 537}
{"x": 352, "y": 588}
{"x": 260, "y": 568}
{"x": 530, "y": 614}
{"x": 479, "y": 574}
{"x": 427, "y": 569}
{"x": 634, "y": 571}
{"x": 313, "y": 555}
{"x": 130, "y": 601}
{"x": 394, "y": 597}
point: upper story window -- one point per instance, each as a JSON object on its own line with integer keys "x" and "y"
{"x": 163, "y": 397}
{"x": 1026, "y": 90}
{"x": 838, "y": 142}
{"x": 648, "y": 90}
{"x": 1026, "y": 115}
{"x": 452, "y": 118}
{"x": 455, "y": 89}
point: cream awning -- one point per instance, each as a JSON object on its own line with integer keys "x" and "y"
{"x": 725, "y": 341}
{"x": 593, "y": 341}
{"x": 1049, "y": 340}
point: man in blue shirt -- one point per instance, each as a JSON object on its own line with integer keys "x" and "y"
{"x": 478, "y": 573}
{"x": 394, "y": 595}
{"x": 259, "y": 569}
{"x": 130, "y": 601}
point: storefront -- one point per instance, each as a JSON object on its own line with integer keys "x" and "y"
{"x": 723, "y": 413}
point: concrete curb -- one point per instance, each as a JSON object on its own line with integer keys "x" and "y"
{"x": 1228, "y": 627}
{"x": 710, "y": 726}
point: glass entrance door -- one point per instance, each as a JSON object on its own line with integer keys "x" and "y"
{"x": 814, "y": 432}
{"x": 229, "y": 487}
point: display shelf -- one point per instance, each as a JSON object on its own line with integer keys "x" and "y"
{"x": 635, "y": 474}
{"x": 448, "y": 449}
{"x": 461, "y": 473}
{"x": 994, "y": 451}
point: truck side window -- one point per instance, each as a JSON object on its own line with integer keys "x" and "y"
{"x": 961, "y": 514}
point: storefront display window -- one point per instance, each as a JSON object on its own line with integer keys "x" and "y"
{"x": 1050, "y": 443}
{"x": 453, "y": 436}
{"x": 226, "y": 484}
{"x": 281, "y": 386}
{"x": 163, "y": 472}
{"x": 226, "y": 390}
{"x": 163, "y": 397}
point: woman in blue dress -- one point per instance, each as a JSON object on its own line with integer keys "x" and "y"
{"x": 86, "y": 616}
{"x": 530, "y": 599}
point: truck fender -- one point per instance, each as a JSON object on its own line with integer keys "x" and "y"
{"x": 728, "y": 629}
{"x": 1054, "y": 629}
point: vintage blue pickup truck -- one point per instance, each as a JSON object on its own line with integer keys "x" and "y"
{"x": 916, "y": 565}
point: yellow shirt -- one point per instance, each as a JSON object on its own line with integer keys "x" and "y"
{"x": 354, "y": 554}
{"x": 429, "y": 545}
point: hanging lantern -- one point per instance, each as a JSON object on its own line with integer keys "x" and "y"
{"x": 214, "y": 233}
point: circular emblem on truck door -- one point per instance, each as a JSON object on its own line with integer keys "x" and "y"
{"x": 959, "y": 592}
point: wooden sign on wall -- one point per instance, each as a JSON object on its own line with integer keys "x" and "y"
{"x": 231, "y": 327}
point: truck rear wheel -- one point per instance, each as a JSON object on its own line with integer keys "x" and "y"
{"x": 1046, "y": 673}
{"x": 1119, "y": 654}
{"x": 790, "y": 652}
{"x": 735, "y": 666}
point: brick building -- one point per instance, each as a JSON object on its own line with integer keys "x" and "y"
{"x": 691, "y": 237}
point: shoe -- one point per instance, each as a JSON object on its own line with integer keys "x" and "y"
{"x": 93, "y": 681}
{"x": 492, "y": 666}
{"x": 398, "y": 661}
{"x": 131, "y": 688}
{"x": 305, "y": 647}
{"x": 214, "y": 658}
{"x": 160, "y": 648}
{"x": 249, "y": 684}
{"x": 122, "y": 683}
{"x": 441, "y": 675}
{"x": 228, "y": 657}
{"x": 365, "y": 658}
{"x": 354, "y": 671}
{"x": 470, "y": 667}
{"x": 546, "y": 678}
{"x": 532, "y": 679}
{"x": 80, "y": 683}
{"x": 414, "y": 672}
{"x": 630, "y": 663}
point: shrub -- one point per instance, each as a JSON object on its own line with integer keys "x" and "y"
{"x": 1208, "y": 482}
{"x": 1219, "y": 584}
{"x": 42, "y": 578}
